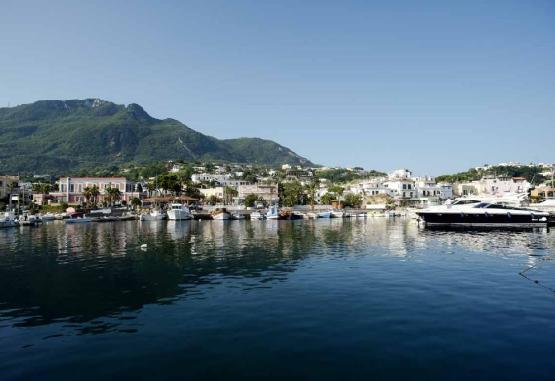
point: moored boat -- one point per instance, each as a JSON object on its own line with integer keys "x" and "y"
{"x": 179, "y": 212}
{"x": 153, "y": 215}
{"x": 324, "y": 215}
{"x": 256, "y": 216}
{"x": 221, "y": 214}
{"x": 482, "y": 214}
{"x": 8, "y": 220}
{"x": 272, "y": 213}
{"x": 77, "y": 218}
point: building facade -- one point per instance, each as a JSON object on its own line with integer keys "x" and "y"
{"x": 71, "y": 189}
{"x": 267, "y": 192}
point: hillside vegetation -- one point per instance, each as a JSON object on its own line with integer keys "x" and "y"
{"x": 58, "y": 137}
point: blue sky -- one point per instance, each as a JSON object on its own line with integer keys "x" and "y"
{"x": 433, "y": 86}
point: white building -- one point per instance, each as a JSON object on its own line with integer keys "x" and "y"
{"x": 492, "y": 185}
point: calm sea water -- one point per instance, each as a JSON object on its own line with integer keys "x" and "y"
{"x": 275, "y": 300}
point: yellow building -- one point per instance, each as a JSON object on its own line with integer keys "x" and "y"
{"x": 542, "y": 193}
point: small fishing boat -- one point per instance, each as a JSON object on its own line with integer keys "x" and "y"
{"x": 221, "y": 214}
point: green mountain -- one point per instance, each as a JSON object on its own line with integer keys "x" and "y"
{"x": 58, "y": 137}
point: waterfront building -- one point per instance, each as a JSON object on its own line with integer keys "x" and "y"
{"x": 544, "y": 192}
{"x": 266, "y": 191}
{"x": 71, "y": 189}
{"x": 213, "y": 192}
{"x": 496, "y": 185}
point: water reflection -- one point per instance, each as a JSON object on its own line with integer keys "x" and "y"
{"x": 95, "y": 278}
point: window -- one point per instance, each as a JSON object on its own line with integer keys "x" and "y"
{"x": 71, "y": 188}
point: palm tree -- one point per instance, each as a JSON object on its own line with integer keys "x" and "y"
{"x": 95, "y": 192}
{"x": 113, "y": 194}
{"x": 87, "y": 192}
{"x": 311, "y": 189}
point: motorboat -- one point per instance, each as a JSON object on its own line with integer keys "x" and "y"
{"x": 77, "y": 218}
{"x": 48, "y": 217}
{"x": 153, "y": 215}
{"x": 337, "y": 214}
{"x": 272, "y": 213}
{"x": 29, "y": 220}
{"x": 8, "y": 220}
{"x": 221, "y": 214}
{"x": 327, "y": 214}
{"x": 482, "y": 214}
{"x": 257, "y": 216}
{"x": 179, "y": 212}
{"x": 237, "y": 216}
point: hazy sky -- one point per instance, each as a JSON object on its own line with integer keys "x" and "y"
{"x": 432, "y": 86}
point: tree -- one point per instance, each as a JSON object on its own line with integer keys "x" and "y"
{"x": 291, "y": 193}
{"x": 311, "y": 190}
{"x": 352, "y": 200}
{"x": 192, "y": 190}
{"x": 170, "y": 182}
{"x": 136, "y": 202}
{"x": 113, "y": 194}
{"x": 213, "y": 200}
{"x": 251, "y": 199}
{"x": 229, "y": 194}
{"x": 328, "y": 198}
{"x": 42, "y": 188}
{"x": 337, "y": 189}
{"x": 91, "y": 195}
{"x": 250, "y": 176}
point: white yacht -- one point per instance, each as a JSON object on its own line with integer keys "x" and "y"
{"x": 179, "y": 212}
{"x": 473, "y": 212}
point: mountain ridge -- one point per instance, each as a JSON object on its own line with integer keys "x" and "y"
{"x": 60, "y": 136}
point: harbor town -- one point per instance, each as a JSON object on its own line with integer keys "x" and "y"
{"x": 203, "y": 191}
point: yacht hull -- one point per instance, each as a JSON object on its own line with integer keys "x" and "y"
{"x": 483, "y": 219}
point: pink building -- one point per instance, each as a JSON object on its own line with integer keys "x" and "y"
{"x": 71, "y": 189}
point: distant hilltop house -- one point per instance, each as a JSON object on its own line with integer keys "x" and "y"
{"x": 219, "y": 179}
{"x": 71, "y": 189}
